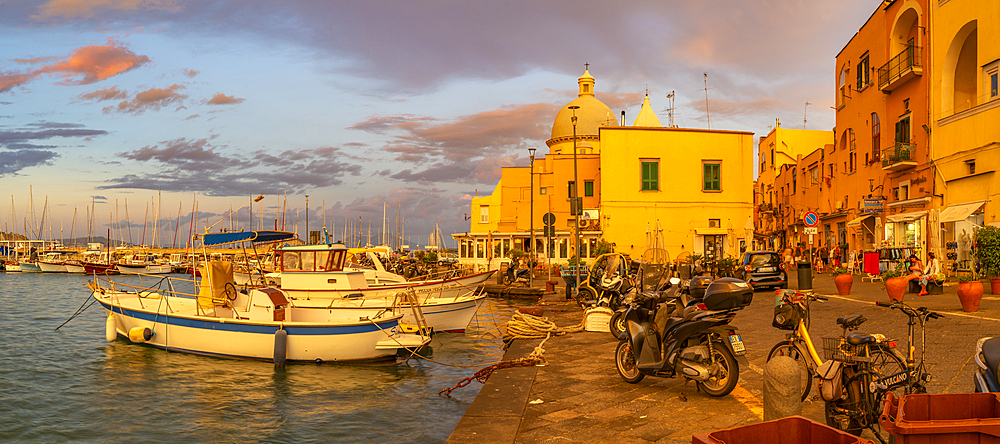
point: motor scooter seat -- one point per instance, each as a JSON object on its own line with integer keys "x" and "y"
{"x": 860, "y": 339}
{"x": 991, "y": 352}
{"x": 851, "y": 321}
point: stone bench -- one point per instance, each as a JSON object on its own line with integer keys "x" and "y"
{"x": 933, "y": 287}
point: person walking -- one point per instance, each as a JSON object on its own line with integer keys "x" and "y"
{"x": 824, "y": 257}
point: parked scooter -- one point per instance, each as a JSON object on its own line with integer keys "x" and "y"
{"x": 987, "y": 377}
{"x": 700, "y": 345}
{"x": 518, "y": 277}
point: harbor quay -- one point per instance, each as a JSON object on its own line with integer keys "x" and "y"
{"x": 578, "y": 396}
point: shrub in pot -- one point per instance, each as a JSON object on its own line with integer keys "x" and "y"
{"x": 843, "y": 280}
{"x": 895, "y": 283}
{"x": 986, "y": 248}
{"x": 970, "y": 292}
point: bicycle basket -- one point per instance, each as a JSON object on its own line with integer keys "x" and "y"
{"x": 838, "y": 349}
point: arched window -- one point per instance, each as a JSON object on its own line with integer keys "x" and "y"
{"x": 843, "y": 86}
{"x": 876, "y": 132}
{"x": 965, "y": 74}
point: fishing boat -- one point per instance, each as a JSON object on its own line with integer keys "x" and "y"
{"x": 315, "y": 276}
{"x": 142, "y": 263}
{"x": 258, "y": 323}
{"x": 11, "y": 266}
{"x": 29, "y": 266}
{"x": 53, "y": 262}
{"x": 73, "y": 266}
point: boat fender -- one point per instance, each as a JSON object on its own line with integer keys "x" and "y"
{"x": 110, "y": 332}
{"x": 140, "y": 334}
{"x": 280, "y": 345}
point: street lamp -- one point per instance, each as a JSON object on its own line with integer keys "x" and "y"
{"x": 575, "y": 202}
{"x": 308, "y": 238}
{"x": 531, "y": 217}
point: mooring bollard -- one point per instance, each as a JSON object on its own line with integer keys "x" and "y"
{"x": 782, "y": 388}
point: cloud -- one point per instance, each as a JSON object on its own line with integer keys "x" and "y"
{"x": 222, "y": 99}
{"x": 190, "y": 72}
{"x": 99, "y": 199}
{"x": 86, "y": 65}
{"x": 112, "y": 93}
{"x": 77, "y": 9}
{"x": 24, "y": 137}
{"x": 197, "y": 165}
{"x": 13, "y": 161}
{"x": 151, "y": 99}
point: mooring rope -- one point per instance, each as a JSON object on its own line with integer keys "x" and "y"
{"x": 526, "y": 326}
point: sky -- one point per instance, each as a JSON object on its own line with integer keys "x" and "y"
{"x": 408, "y": 106}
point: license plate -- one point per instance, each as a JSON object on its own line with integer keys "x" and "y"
{"x": 737, "y": 342}
{"x": 766, "y": 269}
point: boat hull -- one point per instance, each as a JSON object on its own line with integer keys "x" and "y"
{"x": 29, "y": 267}
{"x": 75, "y": 268}
{"x": 235, "y": 338}
{"x": 51, "y": 267}
{"x": 145, "y": 269}
{"x": 443, "y": 315}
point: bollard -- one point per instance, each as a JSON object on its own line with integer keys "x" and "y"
{"x": 550, "y": 286}
{"x": 805, "y": 276}
{"x": 782, "y": 388}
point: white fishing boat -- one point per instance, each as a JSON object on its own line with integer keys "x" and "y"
{"x": 315, "y": 276}
{"x": 142, "y": 263}
{"x": 11, "y": 266}
{"x": 257, "y": 323}
{"x": 53, "y": 262}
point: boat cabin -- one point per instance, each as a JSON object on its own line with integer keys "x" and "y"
{"x": 318, "y": 266}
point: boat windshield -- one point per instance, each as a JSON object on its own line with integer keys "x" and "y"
{"x": 312, "y": 261}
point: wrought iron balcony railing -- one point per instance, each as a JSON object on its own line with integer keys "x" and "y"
{"x": 906, "y": 62}
{"x": 898, "y": 154}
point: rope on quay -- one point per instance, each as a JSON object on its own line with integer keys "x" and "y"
{"x": 526, "y": 326}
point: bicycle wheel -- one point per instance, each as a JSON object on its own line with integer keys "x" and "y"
{"x": 852, "y": 402}
{"x": 795, "y": 351}
{"x": 887, "y": 362}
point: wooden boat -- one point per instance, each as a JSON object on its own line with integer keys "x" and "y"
{"x": 99, "y": 268}
{"x": 254, "y": 324}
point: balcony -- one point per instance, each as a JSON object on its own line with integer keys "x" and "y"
{"x": 900, "y": 69}
{"x": 899, "y": 157}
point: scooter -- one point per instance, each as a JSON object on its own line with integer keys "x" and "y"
{"x": 987, "y": 359}
{"x": 699, "y": 345}
{"x": 511, "y": 276}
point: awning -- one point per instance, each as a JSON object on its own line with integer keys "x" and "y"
{"x": 858, "y": 221}
{"x": 906, "y": 217}
{"x": 710, "y": 231}
{"x": 959, "y": 212}
{"x": 214, "y": 239}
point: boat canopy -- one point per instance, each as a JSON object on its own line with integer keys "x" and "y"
{"x": 214, "y": 239}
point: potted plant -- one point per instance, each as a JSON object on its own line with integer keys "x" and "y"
{"x": 970, "y": 292}
{"x": 987, "y": 251}
{"x": 895, "y": 283}
{"x": 843, "y": 280}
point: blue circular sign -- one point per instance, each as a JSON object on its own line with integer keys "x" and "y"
{"x": 810, "y": 219}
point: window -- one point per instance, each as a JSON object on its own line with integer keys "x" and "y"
{"x": 712, "y": 177}
{"x": 844, "y": 86}
{"x": 650, "y": 175}
{"x": 543, "y": 190}
{"x": 991, "y": 76}
{"x": 570, "y": 188}
{"x": 972, "y": 166}
{"x": 588, "y": 188}
{"x": 795, "y": 181}
{"x": 876, "y": 133}
{"x": 903, "y": 130}
{"x": 484, "y": 215}
{"x": 853, "y": 162}
{"x": 863, "y": 73}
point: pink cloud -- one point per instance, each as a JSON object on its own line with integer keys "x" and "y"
{"x": 86, "y": 65}
{"x": 151, "y": 99}
{"x": 222, "y": 99}
{"x": 112, "y": 93}
{"x": 78, "y": 9}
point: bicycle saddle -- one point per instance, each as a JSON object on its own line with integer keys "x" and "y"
{"x": 859, "y": 339}
{"x": 851, "y": 321}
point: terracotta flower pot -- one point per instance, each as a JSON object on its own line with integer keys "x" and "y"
{"x": 970, "y": 294}
{"x": 995, "y": 285}
{"x": 843, "y": 282}
{"x": 896, "y": 288}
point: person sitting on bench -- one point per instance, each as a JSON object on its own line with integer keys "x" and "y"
{"x": 930, "y": 271}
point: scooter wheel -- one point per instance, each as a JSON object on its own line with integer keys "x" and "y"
{"x": 625, "y": 362}
{"x": 617, "y": 324}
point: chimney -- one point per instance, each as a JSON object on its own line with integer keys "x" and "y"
{"x": 623, "y": 118}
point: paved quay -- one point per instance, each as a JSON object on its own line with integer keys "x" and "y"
{"x": 577, "y": 396}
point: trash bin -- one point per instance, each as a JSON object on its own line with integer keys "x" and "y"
{"x": 791, "y": 430}
{"x": 805, "y": 276}
{"x": 956, "y": 418}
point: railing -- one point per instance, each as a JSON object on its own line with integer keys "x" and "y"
{"x": 902, "y": 63}
{"x": 900, "y": 152}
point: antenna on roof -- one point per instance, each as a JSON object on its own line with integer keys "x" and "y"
{"x": 707, "y": 115}
{"x": 804, "y": 113}
{"x": 670, "y": 110}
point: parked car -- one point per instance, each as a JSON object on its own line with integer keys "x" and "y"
{"x": 762, "y": 269}
{"x": 447, "y": 258}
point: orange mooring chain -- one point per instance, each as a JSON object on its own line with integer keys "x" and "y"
{"x": 484, "y": 374}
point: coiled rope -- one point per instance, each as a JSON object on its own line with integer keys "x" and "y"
{"x": 526, "y": 326}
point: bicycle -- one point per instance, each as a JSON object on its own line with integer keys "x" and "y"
{"x": 798, "y": 344}
{"x": 864, "y": 387}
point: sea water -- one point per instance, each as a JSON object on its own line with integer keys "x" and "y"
{"x": 72, "y": 385}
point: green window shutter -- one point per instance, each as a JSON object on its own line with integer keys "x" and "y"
{"x": 650, "y": 176}
{"x": 588, "y": 188}
{"x": 712, "y": 177}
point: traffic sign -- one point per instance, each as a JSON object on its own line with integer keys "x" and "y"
{"x": 549, "y": 219}
{"x": 811, "y": 219}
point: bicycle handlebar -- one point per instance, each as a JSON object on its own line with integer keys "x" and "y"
{"x": 910, "y": 311}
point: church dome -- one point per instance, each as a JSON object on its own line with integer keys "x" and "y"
{"x": 591, "y": 115}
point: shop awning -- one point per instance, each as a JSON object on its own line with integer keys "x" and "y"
{"x": 906, "y": 217}
{"x": 955, "y": 213}
{"x": 710, "y": 231}
{"x": 858, "y": 221}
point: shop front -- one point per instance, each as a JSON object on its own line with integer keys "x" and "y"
{"x": 959, "y": 224}
{"x": 907, "y": 230}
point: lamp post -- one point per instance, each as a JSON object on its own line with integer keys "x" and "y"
{"x": 308, "y": 238}
{"x": 576, "y": 202}
{"x": 531, "y": 218}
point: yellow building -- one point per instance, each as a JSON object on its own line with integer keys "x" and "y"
{"x": 683, "y": 189}
{"x": 965, "y": 116}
